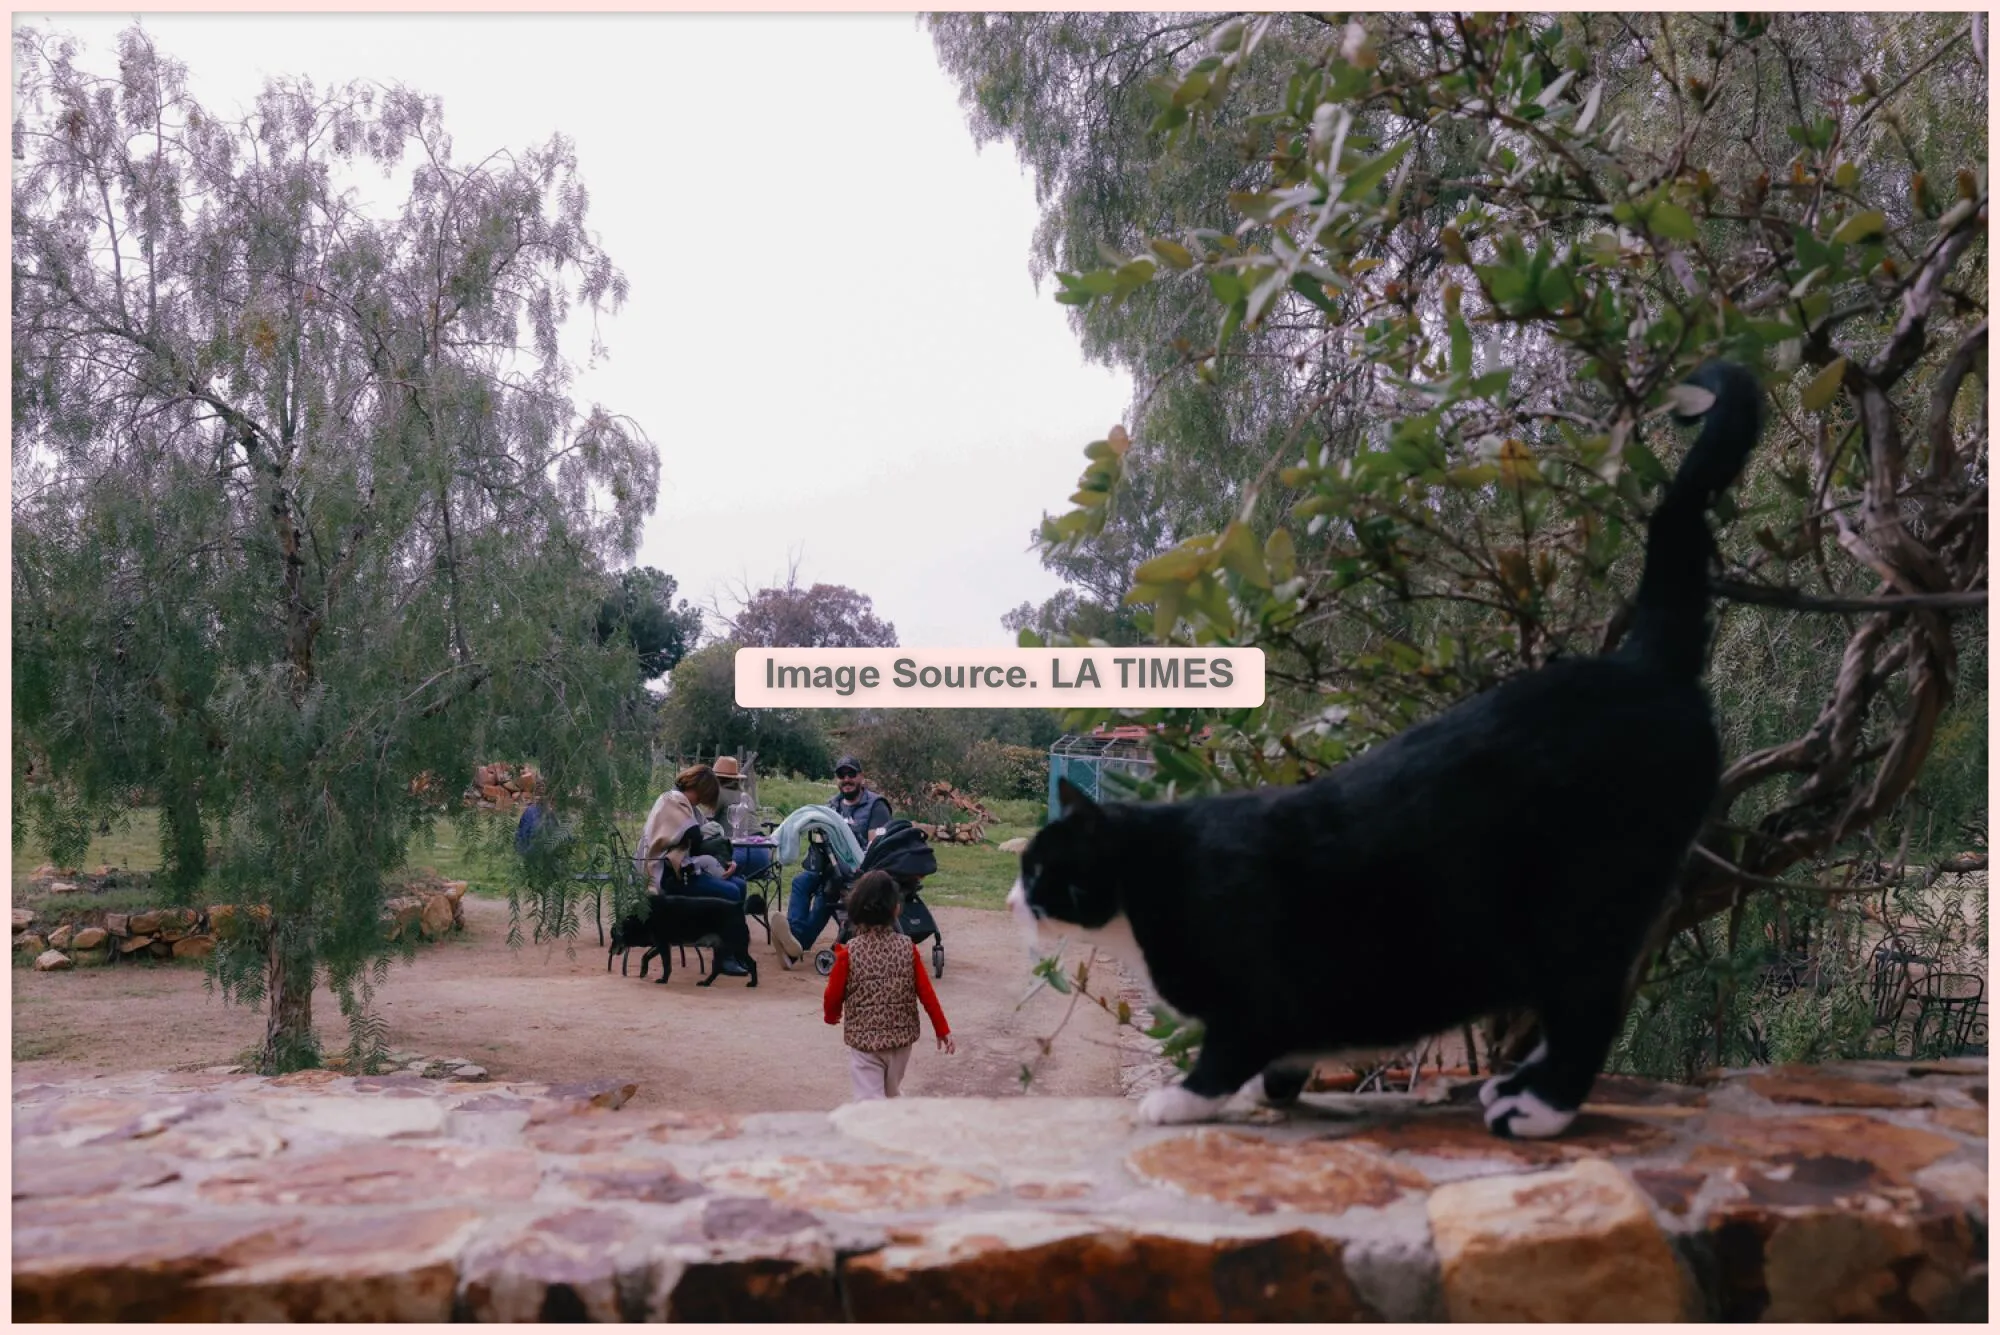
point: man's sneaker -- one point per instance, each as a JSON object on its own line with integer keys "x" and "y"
{"x": 733, "y": 968}
{"x": 787, "y": 944}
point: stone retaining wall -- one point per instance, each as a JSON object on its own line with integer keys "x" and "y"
{"x": 62, "y": 938}
{"x": 1854, "y": 1191}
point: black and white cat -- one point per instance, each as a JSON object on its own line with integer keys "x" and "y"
{"x": 1513, "y": 851}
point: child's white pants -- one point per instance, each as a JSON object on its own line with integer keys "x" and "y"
{"x": 878, "y": 1075}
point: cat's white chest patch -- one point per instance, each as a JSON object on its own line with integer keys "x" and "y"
{"x": 1114, "y": 938}
{"x": 1024, "y": 917}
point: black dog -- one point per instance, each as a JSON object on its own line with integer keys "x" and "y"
{"x": 686, "y": 920}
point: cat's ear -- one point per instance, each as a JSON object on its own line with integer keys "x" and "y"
{"x": 1076, "y": 804}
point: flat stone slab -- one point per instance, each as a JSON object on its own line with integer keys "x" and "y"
{"x": 1851, "y": 1192}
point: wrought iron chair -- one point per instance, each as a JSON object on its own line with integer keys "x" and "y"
{"x": 1951, "y": 1015}
{"x": 1891, "y": 984}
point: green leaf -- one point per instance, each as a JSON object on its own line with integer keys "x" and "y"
{"x": 1671, "y": 221}
{"x": 1811, "y": 278}
{"x": 1365, "y": 177}
{"x": 1645, "y": 464}
{"x": 1280, "y": 557}
{"x": 1028, "y": 639}
{"x": 1315, "y": 292}
{"x": 1506, "y": 285}
{"x": 1239, "y": 552}
{"x": 1167, "y": 612}
{"x": 1178, "y": 566}
{"x": 1129, "y": 276}
{"x": 1824, "y": 386}
{"x": 1231, "y": 319}
{"x": 1192, "y": 89}
{"x": 1173, "y": 252}
{"x": 1869, "y": 223}
{"x": 1555, "y": 289}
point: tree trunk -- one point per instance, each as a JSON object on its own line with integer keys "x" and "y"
{"x": 289, "y": 1042}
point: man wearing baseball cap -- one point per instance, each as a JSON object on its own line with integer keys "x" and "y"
{"x": 811, "y": 905}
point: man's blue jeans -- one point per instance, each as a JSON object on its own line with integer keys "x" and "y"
{"x": 810, "y": 907}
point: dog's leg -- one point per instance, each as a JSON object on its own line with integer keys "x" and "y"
{"x": 752, "y": 964}
{"x": 666, "y": 964}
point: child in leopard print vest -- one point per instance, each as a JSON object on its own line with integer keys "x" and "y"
{"x": 877, "y": 980}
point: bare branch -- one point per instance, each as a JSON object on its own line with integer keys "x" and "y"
{"x": 1762, "y": 595}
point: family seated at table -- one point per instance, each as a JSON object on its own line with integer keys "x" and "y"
{"x": 701, "y": 837}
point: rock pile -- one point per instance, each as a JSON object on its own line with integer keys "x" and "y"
{"x": 402, "y": 1061}
{"x": 1855, "y": 1192}
{"x": 972, "y": 831}
{"x": 501, "y": 787}
{"x": 87, "y": 936}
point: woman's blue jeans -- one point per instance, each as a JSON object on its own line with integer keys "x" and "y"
{"x": 715, "y": 887}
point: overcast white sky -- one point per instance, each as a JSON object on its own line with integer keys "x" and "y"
{"x": 832, "y": 335}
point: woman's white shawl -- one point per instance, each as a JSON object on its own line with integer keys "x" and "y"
{"x": 670, "y": 819}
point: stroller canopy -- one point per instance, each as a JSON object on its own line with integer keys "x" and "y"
{"x": 901, "y": 850}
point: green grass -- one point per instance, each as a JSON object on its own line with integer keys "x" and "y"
{"x": 968, "y": 876}
{"x": 133, "y": 844}
{"x": 976, "y": 876}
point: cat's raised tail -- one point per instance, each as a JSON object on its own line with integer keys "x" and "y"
{"x": 1670, "y": 619}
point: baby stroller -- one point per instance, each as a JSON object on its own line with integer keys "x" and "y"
{"x": 902, "y": 851}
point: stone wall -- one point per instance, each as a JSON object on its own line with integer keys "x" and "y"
{"x": 1855, "y": 1191}
{"x": 65, "y": 937}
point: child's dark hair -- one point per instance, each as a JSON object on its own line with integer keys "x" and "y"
{"x": 873, "y": 900}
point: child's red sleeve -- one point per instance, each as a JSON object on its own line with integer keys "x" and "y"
{"x": 926, "y": 995}
{"x": 836, "y": 985}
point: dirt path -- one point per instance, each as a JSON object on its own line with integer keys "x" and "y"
{"x": 535, "y": 1014}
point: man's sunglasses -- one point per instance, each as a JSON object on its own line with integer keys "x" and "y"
{"x": 847, "y": 774}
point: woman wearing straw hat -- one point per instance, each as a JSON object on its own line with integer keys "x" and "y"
{"x": 750, "y": 858}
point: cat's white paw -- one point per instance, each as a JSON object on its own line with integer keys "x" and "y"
{"x": 1525, "y": 1116}
{"x": 1174, "y": 1104}
{"x": 1491, "y": 1089}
